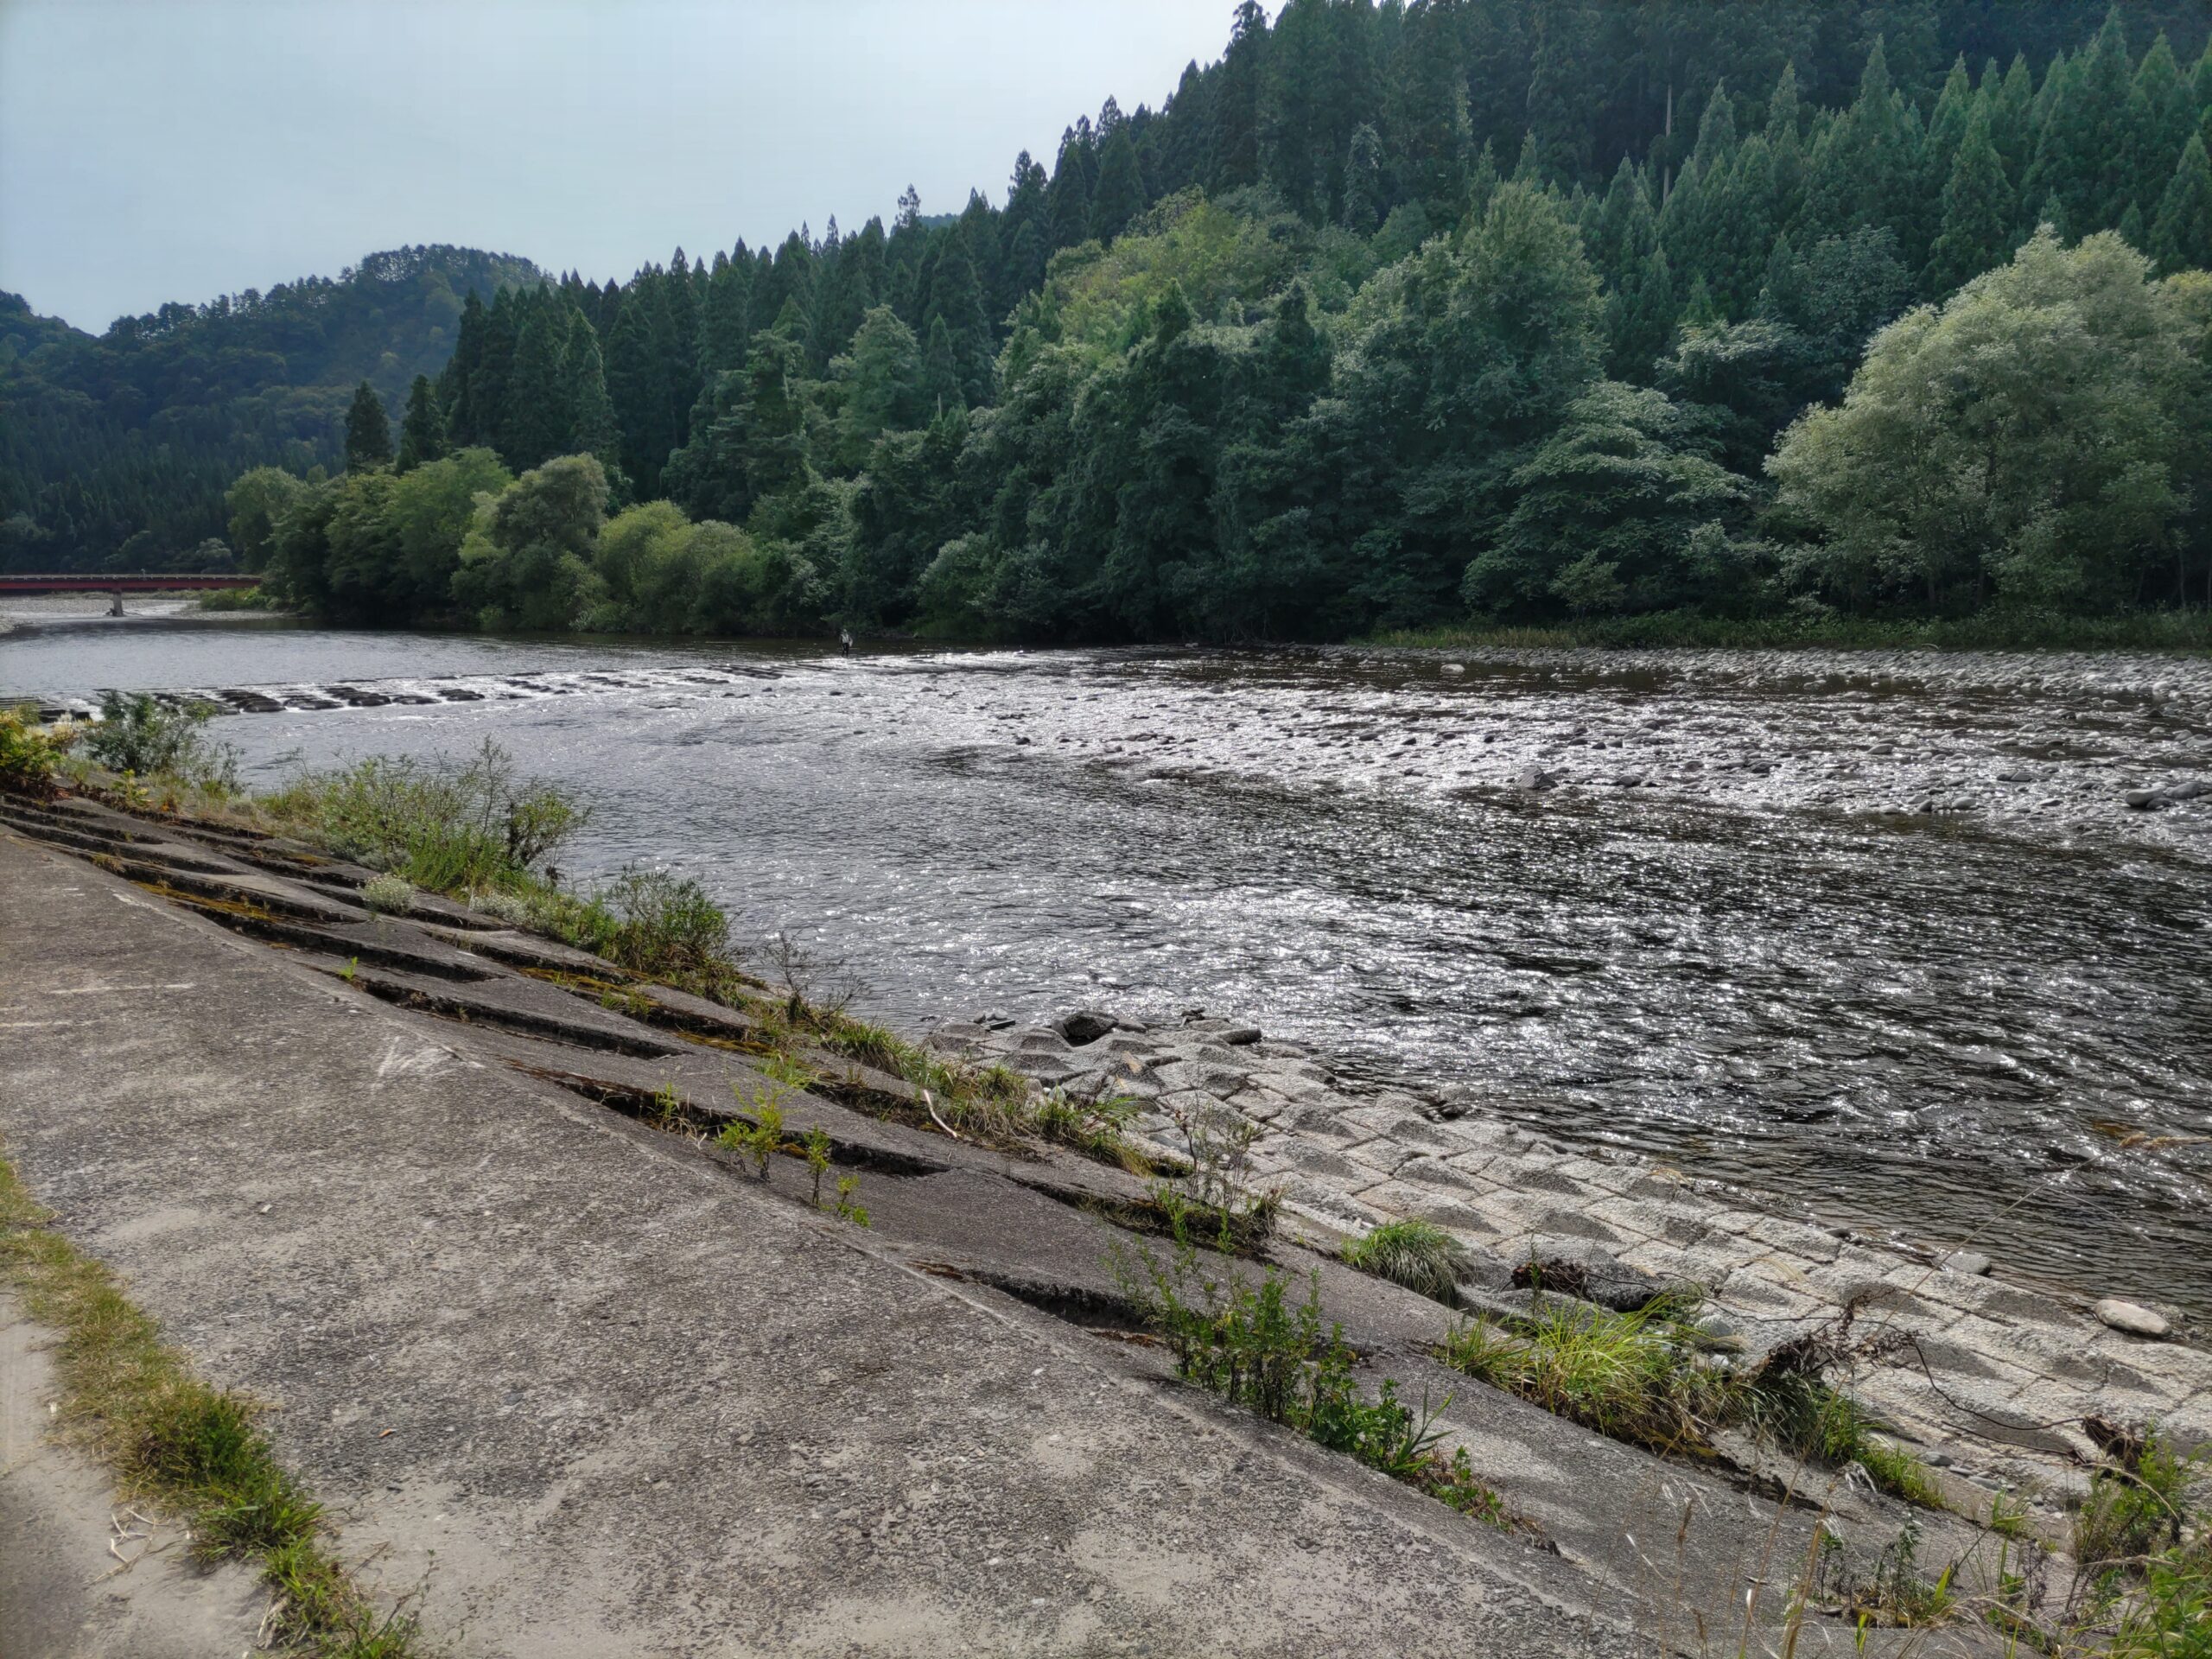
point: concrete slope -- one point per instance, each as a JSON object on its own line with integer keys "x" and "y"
{"x": 595, "y": 1396}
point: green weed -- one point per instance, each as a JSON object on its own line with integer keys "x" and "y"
{"x": 1418, "y": 1254}
{"x": 1253, "y": 1348}
{"x": 760, "y": 1138}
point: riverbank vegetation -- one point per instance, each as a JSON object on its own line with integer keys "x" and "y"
{"x": 1786, "y": 319}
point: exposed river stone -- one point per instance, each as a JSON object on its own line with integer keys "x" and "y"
{"x": 2136, "y": 1321}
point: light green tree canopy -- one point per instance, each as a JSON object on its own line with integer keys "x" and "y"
{"x": 1958, "y": 463}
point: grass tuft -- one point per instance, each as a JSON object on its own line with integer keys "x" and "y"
{"x": 1418, "y": 1254}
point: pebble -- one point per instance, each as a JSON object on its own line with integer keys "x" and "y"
{"x": 1973, "y": 1263}
{"x": 2135, "y": 1320}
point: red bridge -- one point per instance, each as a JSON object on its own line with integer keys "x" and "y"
{"x": 143, "y": 583}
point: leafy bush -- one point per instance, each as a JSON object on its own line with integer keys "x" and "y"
{"x": 1418, "y": 1254}
{"x": 140, "y": 734}
{"x": 31, "y": 754}
{"x": 448, "y": 829}
{"x": 650, "y": 921}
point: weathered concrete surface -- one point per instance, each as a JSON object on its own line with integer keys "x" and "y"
{"x": 82, "y": 1574}
{"x": 1988, "y": 1378}
{"x": 597, "y": 1397}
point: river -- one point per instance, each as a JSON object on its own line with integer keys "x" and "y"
{"x": 1875, "y": 931}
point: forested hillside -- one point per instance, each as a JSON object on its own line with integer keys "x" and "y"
{"x": 1392, "y": 314}
{"x": 117, "y": 448}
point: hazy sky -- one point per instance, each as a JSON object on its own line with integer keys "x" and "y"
{"x": 176, "y": 149}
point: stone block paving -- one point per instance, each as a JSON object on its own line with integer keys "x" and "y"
{"x": 1987, "y": 1377}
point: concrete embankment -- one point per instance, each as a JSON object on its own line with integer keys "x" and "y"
{"x": 595, "y": 1389}
{"x": 1995, "y": 1380}
{"x": 597, "y": 1395}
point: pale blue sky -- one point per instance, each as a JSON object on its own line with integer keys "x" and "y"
{"x": 176, "y": 149}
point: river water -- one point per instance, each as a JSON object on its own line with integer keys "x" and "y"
{"x": 1875, "y": 931}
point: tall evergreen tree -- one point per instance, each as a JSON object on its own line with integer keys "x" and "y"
{"x": 1640, "y": 319}
{"x": 1236, "y": 105}
{"x": 638, "y": 382}
{"x": 1978, "y": 211}
{"x": 539, "y": 417}
{"x": 725, "y": 320}
{"x": 2181, "y": 236}
{"x": 1068, "y": 198}
{"x": 594, "y": 430}
{"x": 2162, "y": 114}
{"x": 464, "y": 421}
{"x": 941, "y": 369}
{"x": 422, "y": 429}
{"x": 1426, "y": 109}
{"x": 1362, "y": 208}
{"x": 1121, "y": 187}
{"x": 368, "y": 432}
{"x": 1560, "y": 116}
{"x": 957, "y": 301}
{"x": 488, "y": 383}
{"x": 2084, "y": 152}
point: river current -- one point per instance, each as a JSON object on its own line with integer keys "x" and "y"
{"x": 1874, "y": 931}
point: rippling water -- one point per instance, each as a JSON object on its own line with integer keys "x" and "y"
{"x": 1874, "y": 930}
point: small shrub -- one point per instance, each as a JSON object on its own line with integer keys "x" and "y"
{"x": 664, "y": 924}
{"x": 388, "y": 895}
{"x": 140, "y": 734}
{"x": 849, "y": 1208}
{"x": 1418, "y": 1254}
{"x": 31, "y": 755}
{"x": 761, "y": 1138}
{"x": 446, "y": 828}
{"x": 509, "y": 907}
{"x": 1898, "y": 1593}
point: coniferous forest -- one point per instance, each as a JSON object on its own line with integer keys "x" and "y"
{"x": 1396, "y": 314}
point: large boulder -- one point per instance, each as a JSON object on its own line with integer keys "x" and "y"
{"x": 1084, "y": 1025}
